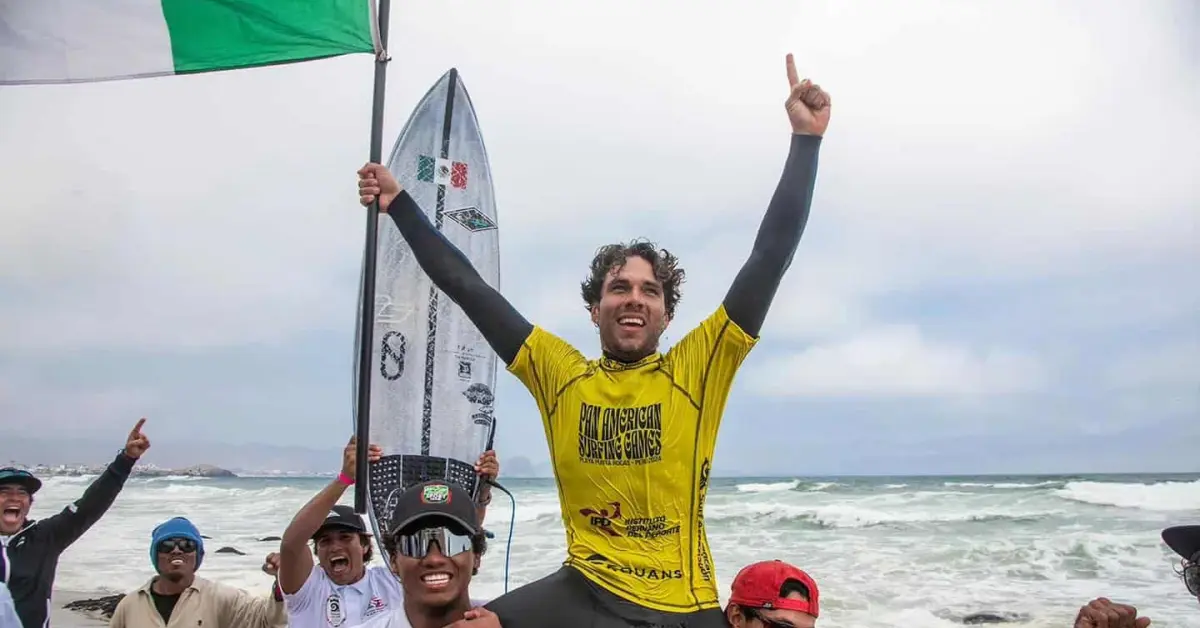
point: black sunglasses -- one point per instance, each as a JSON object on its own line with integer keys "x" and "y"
{"x": 187, "y": 546}
{"x": 754, "y": 613}
{"x": 1191, "y": 576}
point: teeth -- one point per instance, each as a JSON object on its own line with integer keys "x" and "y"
{"x": 631, "y": 321}
{"x": 177, "y": 561}
{"x": 436, "y": 578}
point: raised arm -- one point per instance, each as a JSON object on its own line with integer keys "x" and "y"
{"x": 295, "y": 558}
{"x": 504, "y": 328}
{"x": 67, "y": 526}
{"x": 753, "y": 290}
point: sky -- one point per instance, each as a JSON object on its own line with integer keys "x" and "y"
{"x": 998, "y": 275}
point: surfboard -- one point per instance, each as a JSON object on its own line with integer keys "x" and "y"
{"x": 433, "y": 373}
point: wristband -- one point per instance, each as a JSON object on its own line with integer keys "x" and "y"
{"x": 277, "y": 592}
{"x": 345, "y": 479}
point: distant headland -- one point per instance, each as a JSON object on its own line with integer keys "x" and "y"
{"x": 139, "y": 470}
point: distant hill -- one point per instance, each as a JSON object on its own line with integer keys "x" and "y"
{"x": 244, "y": 459}
{"x": 258, "y": 457}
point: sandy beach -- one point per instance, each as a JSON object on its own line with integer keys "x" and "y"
{"x": 63, "y": 618}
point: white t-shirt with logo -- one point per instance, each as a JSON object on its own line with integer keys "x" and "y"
{"x": 397, "y": 619}
{"x": 322, "y": 604}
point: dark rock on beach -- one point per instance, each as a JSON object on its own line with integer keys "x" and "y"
{"x": 975, "y": 619}
{"x": 102, "y": 607}
{"x": 230, "y": 550}
{"x": 270, "y": 538}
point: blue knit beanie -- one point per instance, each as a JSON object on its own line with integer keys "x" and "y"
{"x": 176, "y": 528}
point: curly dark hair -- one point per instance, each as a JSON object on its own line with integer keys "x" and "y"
{"x": 611, "y": 257}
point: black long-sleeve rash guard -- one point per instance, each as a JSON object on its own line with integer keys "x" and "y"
{"x": 748, "y": 298}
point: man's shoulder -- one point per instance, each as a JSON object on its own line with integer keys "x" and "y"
{"x": 716, "y": 330}
{"x": 541, "y": 337}
{"x": 544, "y": 351}
{"x": 215, "y": 587}
{"x": 381, "y": 575}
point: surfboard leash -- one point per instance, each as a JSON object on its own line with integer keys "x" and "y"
{"x": 512, "y": 522}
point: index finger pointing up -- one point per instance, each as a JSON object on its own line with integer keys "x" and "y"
{"x": 138, "y": 428}
{"x": 793, "y": 77}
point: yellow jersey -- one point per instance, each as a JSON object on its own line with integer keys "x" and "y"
{"x": 632, "y": 446}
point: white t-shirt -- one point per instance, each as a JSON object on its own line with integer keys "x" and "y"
{"x": 8, "y": 613}
{"x": 322, "y": 604}
{"x": 397, "y": 619}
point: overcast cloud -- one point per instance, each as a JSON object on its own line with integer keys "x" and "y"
{"x": 999, "y": 273}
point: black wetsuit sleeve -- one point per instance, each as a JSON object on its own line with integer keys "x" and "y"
{"x": 754, "y": 288}
{"x": 500, "y": 323}
{"x": 67, "y": 526}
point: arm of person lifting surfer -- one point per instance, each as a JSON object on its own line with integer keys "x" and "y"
{"x": 488, "y": 469}
{"x": 295, "y": 559}
{"x": 500, "y": 323}
{"x": 753, "y": 289}
{"x": 67, "y": 526}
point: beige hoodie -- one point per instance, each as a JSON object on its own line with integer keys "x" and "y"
{"x": 205, "y": 604}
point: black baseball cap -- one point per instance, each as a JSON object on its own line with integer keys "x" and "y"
{"x": 435, "y": 498}
{"x": 342, "y": 517}
{"x": 1185, "y": 540}
{"x": 20, "y": 477}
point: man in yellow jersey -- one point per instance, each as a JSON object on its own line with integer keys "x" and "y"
{"x": 632, "y": 433}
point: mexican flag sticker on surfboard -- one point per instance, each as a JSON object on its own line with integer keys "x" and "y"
{"x": 442, "y": 171}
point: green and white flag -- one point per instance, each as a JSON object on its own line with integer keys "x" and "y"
{"x": 77, "y": 41}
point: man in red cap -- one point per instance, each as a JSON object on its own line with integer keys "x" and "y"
{"x": 773, "y": 594}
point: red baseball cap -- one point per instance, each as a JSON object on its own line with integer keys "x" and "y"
{"x": 758, "y": 586}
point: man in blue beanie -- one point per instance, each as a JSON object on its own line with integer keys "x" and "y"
{"x": 177, "y": 597}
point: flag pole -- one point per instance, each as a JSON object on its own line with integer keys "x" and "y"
{"x": 367, "y": 306}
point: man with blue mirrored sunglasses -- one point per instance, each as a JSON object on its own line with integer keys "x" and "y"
{"x": 434, "y": 547}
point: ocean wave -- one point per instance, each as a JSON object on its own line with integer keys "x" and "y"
{"x": 768, "y": 488}
{"x": 852, "y": 516}
{"x": 195, "y": 491}
{"x": 1004, "y": 485}
{"x": 1160, "y": 496}
{"x": 69, "y": 480}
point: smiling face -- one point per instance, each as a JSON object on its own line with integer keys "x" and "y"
{"x": 176, "y": 559}
{"x": 342, "y": 554}
{"x": 632, "y": 311}
{"x": 435, "y": 580}
{"x": 14, "y": 507}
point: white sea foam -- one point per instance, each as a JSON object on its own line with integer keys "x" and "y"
{"x": 886, "y": 552}
{"x": 758, "y": 487}
{"x": 1166, "y": 496}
